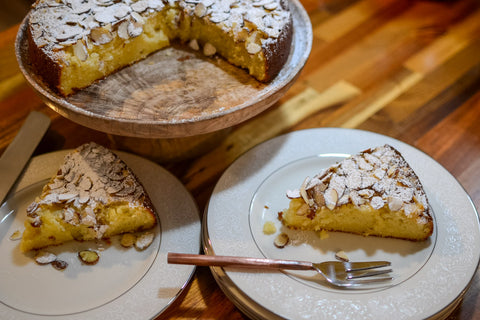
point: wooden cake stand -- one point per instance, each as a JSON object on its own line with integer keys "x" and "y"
{"x": 176, "y": 102}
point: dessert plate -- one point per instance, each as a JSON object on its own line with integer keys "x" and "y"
{"x": 125, "y": 283}
{"x": 174, "y": 92}
{"x": 429, "y": 277}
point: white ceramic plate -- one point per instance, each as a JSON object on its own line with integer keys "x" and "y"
{"x": 125, "y": 283}
{"x": 429, "y": 277}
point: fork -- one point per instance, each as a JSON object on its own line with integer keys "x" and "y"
{"x": 340, "y": 274}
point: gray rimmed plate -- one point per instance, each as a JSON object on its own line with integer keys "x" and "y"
{"x": 430, "y": 277}
{"x": 125, "y": 283}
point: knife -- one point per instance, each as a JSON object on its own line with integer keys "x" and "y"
{"x": 17, "y": 154}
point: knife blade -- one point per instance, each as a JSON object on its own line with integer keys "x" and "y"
{"x": 17, "y": 154}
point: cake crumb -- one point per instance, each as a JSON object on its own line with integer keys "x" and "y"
{"x": 269, "y": 228}
{"x": 17, "y": 235}
{"x": 323, "y": 234}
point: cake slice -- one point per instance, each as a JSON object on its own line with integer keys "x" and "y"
{"x": 372, "y": 193}
{"x": 94, "y": 195}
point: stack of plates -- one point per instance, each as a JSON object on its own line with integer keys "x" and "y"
{"x": 430, "y": 277}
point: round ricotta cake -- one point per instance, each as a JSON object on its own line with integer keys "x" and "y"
{"x": 73, "y": 43}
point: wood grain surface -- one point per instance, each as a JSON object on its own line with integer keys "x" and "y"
{"x": 406, "y": 69}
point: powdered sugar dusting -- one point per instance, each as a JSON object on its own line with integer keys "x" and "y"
{"x": 56, "y": 24}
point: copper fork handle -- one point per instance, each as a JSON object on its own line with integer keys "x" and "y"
{"x": 228, "y": 261}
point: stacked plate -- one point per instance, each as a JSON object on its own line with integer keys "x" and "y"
{"x": 429, "y": 278}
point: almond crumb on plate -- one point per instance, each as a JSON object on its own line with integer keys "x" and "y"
{"x": 342, "y": 256}
{"x": 59, "y": 264}
{"x": 144, "y": 240}
{"x": 44, "y": 257}
{"x": 128, "y": 240}
{"x": 89, "y": 257}
{"x": 281, "y": 240}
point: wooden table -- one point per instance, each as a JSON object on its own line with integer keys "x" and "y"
{"x": 406, "y": 69}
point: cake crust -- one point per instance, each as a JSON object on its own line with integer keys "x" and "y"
{"x": 374, "y": 193}
{"x": 99, "y": 37}
{"x": 94, "y": 195}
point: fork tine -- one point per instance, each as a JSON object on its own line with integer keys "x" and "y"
{"x": 358, "y": 266}
{"x": 357, "y": 275}
{"x": 363, "y": 283}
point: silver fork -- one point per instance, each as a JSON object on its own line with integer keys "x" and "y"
{"x": 341, "y": 274}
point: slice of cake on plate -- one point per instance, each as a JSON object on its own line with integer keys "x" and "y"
{"x": 94, "y": 195}
{"x": 372, "y": 193}
{"x": 73, "y": 43}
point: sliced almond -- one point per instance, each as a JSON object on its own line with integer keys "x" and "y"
{"x": 137, "y": 17}
{"x": 253, "y": 48}
{"x": 342, "y": 256}
{"x": 317, "y": 194}
{"x": 394, "y": 203}
{"x": 144, "y": 240}
{"x": 193, "y": 44}
{"x": 134, "y": 29}
{"x": 200, "y": 10}
{"x": 100, "y": 36}
{"x": 44, "y": 257}
{"x": 122, "y": 30}
{"x": 281, "y": 240}
{"x": 32, "y": 208}
{"x": 377, "y": 202}
{"x": 331, "y": 198}
{"x": 140, "y": 6}
{"x": 391, "y": 171}
{"x": 209, "y": 49}
{"x": 89, "y": 257}
{"x": 128, "y": 240}
{"x": 303, "y": 193}
{"x": 59, "y": 264}
{"x": 271, "y": 6}
{"x": 293, "y": 194}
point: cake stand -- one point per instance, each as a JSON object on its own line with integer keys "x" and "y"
{"x": 174, "y": 102}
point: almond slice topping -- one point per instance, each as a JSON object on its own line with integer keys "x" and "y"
{"x": 44, "y": 257}
{"x": 89, "y": 257}
{"x": 144, "y": 241}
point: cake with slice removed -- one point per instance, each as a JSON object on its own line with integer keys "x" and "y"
{"x": 372, "y": 193}
{"x": 94, "y": 195}
{"x": 73, "y": 43}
